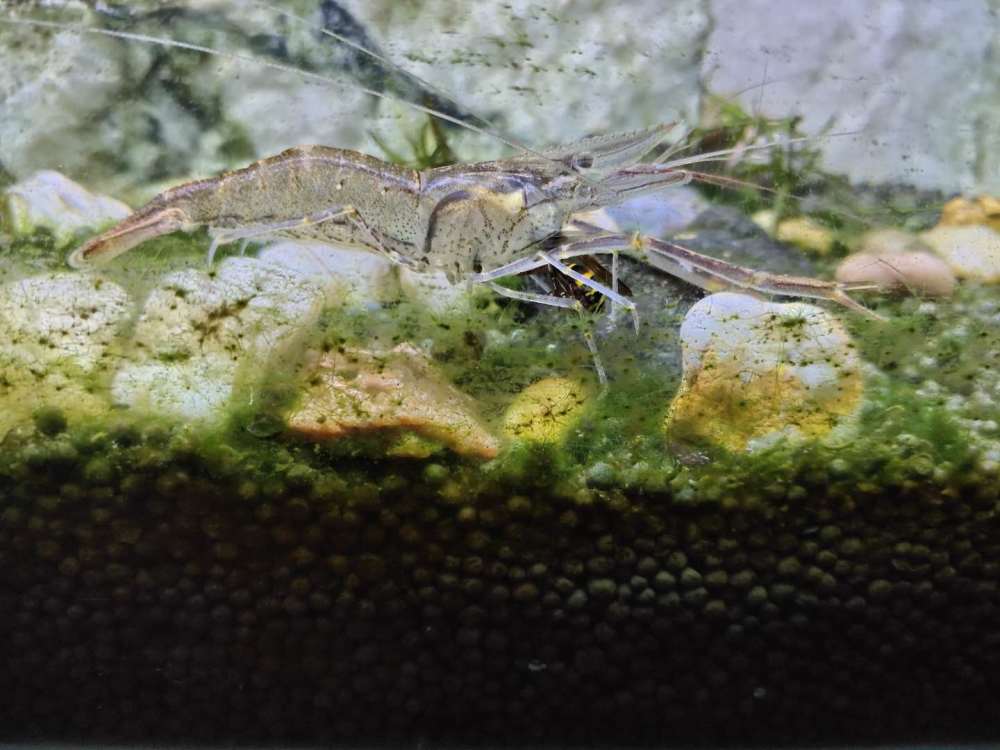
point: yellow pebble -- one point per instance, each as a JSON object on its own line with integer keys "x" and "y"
{"x": 766, "y": 220}
{"x": 546, "y": 410}
{"x": 984, "y": 209}
{"x": 807, "y": 234}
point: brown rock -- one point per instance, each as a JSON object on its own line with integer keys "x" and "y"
{"x": 360, "y": 391}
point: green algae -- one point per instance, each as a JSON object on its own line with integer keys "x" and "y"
{"x": 313, "y": 565}
{"x": 895, "y": 446}
{"x": 933, "y": 363}
{"x": 493, "y": 349}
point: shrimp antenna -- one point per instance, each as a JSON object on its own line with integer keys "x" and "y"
{"x": 383, "y": 60}
{"x": 711, "y": 155}
{"x": 305, "y": 74}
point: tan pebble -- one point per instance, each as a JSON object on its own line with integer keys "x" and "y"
{"x": 915, "y": 272}
{"x": 364, "y": 392}
{"x": 807, "y": 234}
{"x": 973, "y": 252}
{"x": 545, "y": 411}
{"x": 890, "y": 242}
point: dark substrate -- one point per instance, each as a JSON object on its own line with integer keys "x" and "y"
{"x": 185, "y": 600}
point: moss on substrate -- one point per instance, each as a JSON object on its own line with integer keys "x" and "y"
{"x": 165, "y": 582}
{"x": 932, "y": 356}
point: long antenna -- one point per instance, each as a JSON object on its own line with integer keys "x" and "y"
{"x": 381, "y": 59}
{"x": 252, "y": 59}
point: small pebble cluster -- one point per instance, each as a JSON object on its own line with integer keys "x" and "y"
{"x": 155, "y": 588}
{"x": 964, "y": 245}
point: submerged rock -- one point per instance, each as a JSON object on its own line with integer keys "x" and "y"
{"x": 52, "y": 201}
{"x": 350, "y": 276}
{"x": 916, "y": 272}
{"x": 198, "y": 330}
{"x": 800, "y": 231}
{"x": 983, "y": 209}
{"x": 727, "y": 233}
{"x": 61, "y": 318}
{"x": 973, "y": 252}
{"x": 890, "y": 242}
{"x": 196, "y": 388}
{"x": 757, "y": 371}
{"x": 881, "y": 69}
{"x": 360, "y": 392}
{"x": 657, "y": 214}
{"x": 55, "y": 333}
{"x": 347, "y": 275}
{"x": 434, "y": 291}
{"x": 545, "y": 411}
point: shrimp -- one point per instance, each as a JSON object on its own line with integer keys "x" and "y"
{"x": 477, "y": 223}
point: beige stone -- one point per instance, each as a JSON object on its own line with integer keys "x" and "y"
{"x": 57, "y": 333}
{"x": 755, "y": 372}
{"x": 199, "y": 331}
{"x": 972, "y": 251}
{"x": 52, "y": 201}
{"x": 358, "y": 392}
{"x": 890, "y": 242}
{"x": 347, "y": 275}
{"x": 61, "y": 318}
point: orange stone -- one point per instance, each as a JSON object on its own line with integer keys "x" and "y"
{"x": 358, "y": 392}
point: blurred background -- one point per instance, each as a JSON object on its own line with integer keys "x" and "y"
{"x": 906, "y": 91}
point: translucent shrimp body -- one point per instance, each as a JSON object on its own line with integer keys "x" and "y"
{"x": 475, "y": 222}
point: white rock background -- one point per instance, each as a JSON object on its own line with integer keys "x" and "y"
{"x": 918, "y": 78}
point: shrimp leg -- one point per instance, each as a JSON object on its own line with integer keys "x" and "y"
{"x": 549, "y": 259}
{"x": 597, "y": 286}
{"x": 703, "y": 271}
{"x": 222, "y": 237}
{"x": 712, "y": 274}
{"x": 570, "y": 304}
{"x": 540, "y": 299}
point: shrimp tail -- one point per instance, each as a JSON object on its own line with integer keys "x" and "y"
{"x": 152, "y": 221}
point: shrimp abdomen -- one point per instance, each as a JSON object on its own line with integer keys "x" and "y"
{"x": 272, "y": 196}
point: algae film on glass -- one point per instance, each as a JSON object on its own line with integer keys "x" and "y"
{"x": 499, "y": 372}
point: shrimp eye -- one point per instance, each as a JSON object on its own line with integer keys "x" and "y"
{"x": 583, "y": 161}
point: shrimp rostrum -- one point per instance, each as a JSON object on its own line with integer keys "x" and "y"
{"x": 477, "y": 223}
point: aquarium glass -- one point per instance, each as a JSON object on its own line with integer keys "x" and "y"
{"x": 438, "y": 372}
